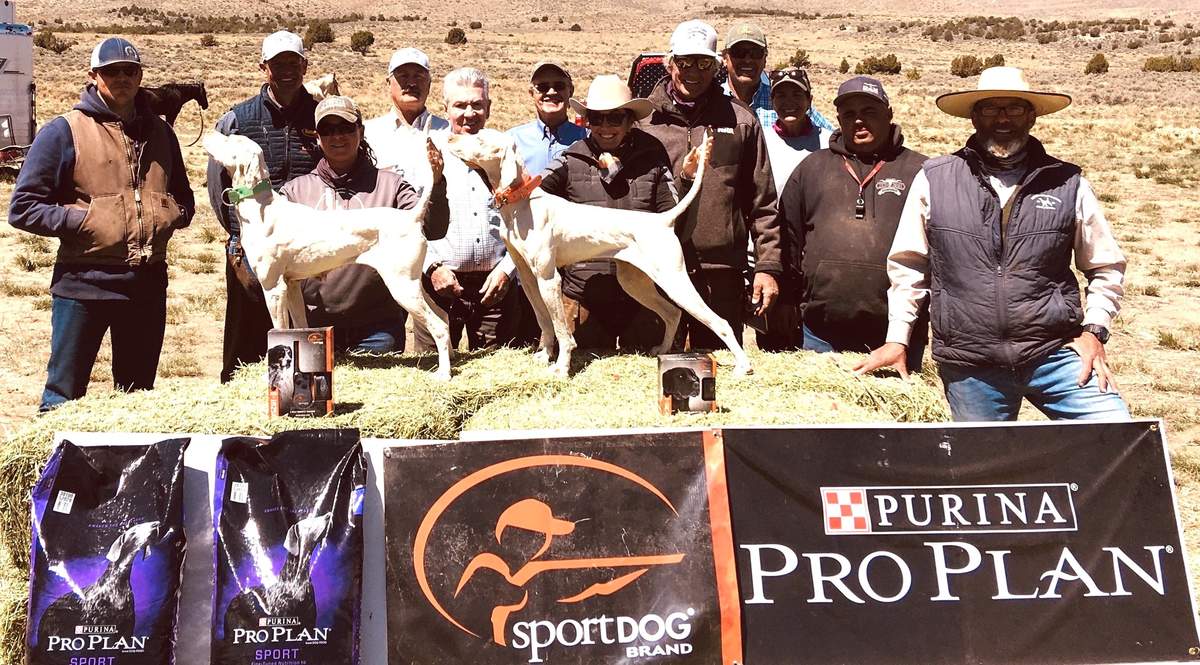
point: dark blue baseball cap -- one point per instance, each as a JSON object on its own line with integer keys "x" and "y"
{"x": 114, "y": 50}
{"x": 861, "y": 85}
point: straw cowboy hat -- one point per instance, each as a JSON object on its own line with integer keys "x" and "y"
{"x": 609, "y": 93}
{"x": 1002, "y": 82}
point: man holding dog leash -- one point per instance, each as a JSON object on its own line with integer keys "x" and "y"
{"x": 280, "y": 119}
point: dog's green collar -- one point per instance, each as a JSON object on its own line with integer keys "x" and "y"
{"x": 238, "y": 194}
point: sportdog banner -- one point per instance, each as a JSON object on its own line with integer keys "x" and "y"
{"x": 1008, "y": 544}
{"x": 591, "y": 550}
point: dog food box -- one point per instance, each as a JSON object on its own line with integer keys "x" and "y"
{"x": 300, "y": 372}
{"x": 687, "y": 382}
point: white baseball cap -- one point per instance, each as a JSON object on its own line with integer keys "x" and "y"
{"x": 282, "y": 42}
{"x": 694, "y": 37}
{"x": 408, "y": 56}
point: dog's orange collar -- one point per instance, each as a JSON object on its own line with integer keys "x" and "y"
{"x": 512, "y": 194}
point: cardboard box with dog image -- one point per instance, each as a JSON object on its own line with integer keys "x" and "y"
{"x": 300, "y": 372}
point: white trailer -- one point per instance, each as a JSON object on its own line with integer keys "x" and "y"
{"x": 17, "y": 119}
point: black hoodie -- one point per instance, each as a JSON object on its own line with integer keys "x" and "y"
{"x": 838, "y": 261}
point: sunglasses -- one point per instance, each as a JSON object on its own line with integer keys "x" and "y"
{"x": 336, "y": 129}
{"x": 1012, "y": 110}
{"x": 790, "y": 74}
{"x": 701, "y": 62}
{"x": 127, "y": 69}
{"x": 612, "y": 118}
{"x": 752, "y": 52}
{"x": 546, "y": 86}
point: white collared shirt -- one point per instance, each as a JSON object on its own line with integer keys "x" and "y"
{"x": 398, "y": 144}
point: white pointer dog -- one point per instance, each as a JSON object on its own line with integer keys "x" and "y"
{"x": 286, "y": 242}
{"x": 544, "y": 232}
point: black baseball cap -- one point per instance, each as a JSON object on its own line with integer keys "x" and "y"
{"x": 861, "y": 85}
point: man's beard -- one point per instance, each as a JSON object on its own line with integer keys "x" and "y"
{"x": 1005, "y": 149}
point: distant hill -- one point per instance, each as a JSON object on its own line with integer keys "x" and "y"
{"x": 518, "y": 12}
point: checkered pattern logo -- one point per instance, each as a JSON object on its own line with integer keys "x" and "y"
{"x": 845, "y": 510}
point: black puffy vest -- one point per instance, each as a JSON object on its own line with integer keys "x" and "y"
{"x": 1001, "y": 302}
{"x": 288, "y": 136}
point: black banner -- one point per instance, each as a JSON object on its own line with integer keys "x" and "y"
{"x": 572, "y": 550}
{"x": 1007, "y": 544}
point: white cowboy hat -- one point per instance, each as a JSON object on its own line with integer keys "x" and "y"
{"x": 1002, "y": 82}
{"x": 609, "y": 93}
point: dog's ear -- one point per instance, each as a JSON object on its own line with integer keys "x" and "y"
{"x": 512, "y": 169}
{"x": 214, "y": 144}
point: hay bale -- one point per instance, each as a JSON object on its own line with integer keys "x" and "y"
{"x": 787, "y": 388}
{"x": 393, "y": 396}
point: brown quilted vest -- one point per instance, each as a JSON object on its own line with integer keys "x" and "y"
{"x": 123, "y": 186}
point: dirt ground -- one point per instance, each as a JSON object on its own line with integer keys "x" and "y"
{"x": 1136, "y": 134}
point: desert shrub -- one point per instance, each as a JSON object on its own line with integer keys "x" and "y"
{"x": 575, "y": 27}
{"x": 798, "y": 59}
{"x": 51, "y": 42}
{"x": 888, "y": 64}
{"x": 318, "y": 32}
{"x": 844, "y": 67}
{"x": 208, "y": 41}
{"x": 361, "y": 41}
{"x": 475, "y": 25}
{"x": 994, "y": 61}
{"x": 1170, "y": 63}
{"x": 913, "y": 74}
{"x": 533, "y": 19}
{"x": 1097, "y": 65}
{"x": 966, "y": 65}
{"x": 456, "y": 36}
{"x": 1134, "y": 43}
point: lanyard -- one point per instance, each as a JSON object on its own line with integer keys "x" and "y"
{"x": 860, "y": 205}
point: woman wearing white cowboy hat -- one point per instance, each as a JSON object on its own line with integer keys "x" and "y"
{"x": 989, "y": 232}
{"x": 617, "y": 166}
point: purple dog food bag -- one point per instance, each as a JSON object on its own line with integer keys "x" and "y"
{"x": 108, "y": 548}
{"x": 287, "y": 519}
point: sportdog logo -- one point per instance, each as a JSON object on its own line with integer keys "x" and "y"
{"x": 535, "y": 516}
{"x": 1046, "y": 201}
{"x": 949, "y": 509}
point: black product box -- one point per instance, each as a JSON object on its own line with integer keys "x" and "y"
{"x": 300, "y": 372}
{"x": 687, "y": 382}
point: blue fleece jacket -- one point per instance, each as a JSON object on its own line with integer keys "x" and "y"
{"x": 46, "y": 183}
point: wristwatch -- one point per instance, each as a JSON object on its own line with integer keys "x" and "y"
{"x": 432, "y": 267}
{"x": 1098, "y": 330}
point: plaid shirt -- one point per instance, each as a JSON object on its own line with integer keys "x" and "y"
{"x": 473, "y": 241}
{"x": 761, "y": 105}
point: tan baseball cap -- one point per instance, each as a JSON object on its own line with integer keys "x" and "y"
{"x": 337, "y": 105}
{"x": 745, "y": 32}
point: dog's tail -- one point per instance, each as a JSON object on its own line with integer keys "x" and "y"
{"x": 673, "y": 214}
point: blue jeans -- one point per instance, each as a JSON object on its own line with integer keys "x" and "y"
{"x": 76, "y": 330}
{"x": 372, "y": 338}
{"x": 994, "y": 393}
{"x": 914, "y": 354}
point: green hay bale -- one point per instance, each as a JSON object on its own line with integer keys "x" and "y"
{"x": 786, "y": 388}
{"x": 14, "y": 598}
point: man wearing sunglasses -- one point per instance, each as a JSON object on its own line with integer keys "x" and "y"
{"x": 988, "y": 234}
{"x": 108, "y": 180}
{"x": 280, "y": 120}
{"x": 745, "y": 60}
{"x": 737, "y": 201}
{"x": 543, "y": 139}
